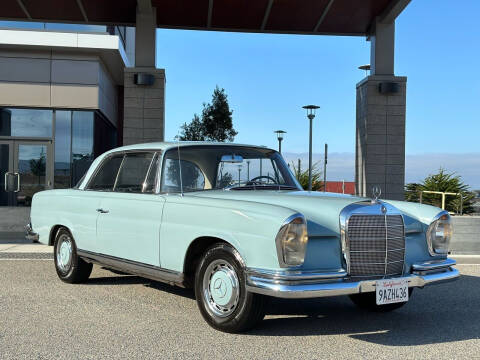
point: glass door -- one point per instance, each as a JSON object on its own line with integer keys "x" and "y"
{"x": 7, "y": 185}
{"x": 33, "y": 169}
{"x": 26, "y": 167}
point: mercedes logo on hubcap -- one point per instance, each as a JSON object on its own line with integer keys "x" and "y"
{"x": 220, "y": 287}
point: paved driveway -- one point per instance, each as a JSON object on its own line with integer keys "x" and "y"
{"x": 117, "y": 316}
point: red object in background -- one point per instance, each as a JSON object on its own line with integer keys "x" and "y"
{"x": 337, "y": 187}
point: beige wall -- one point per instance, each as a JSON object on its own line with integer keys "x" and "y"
{"x": 56, "y": 79}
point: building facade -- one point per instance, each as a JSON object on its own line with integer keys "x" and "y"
{"x": 62, "y": 103}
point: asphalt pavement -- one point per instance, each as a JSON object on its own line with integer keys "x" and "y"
{"x": 120, "y": 316}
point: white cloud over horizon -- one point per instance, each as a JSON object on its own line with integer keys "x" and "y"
{"x": 341, "y": 166}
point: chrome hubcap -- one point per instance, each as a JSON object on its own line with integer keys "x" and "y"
{"x": 220, "y": 288}
{"x": 64, "y": 253}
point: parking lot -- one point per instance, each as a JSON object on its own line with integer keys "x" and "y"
{"x": 119, "y": 316}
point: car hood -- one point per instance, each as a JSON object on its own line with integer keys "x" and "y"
{"x": 322, "y": 209}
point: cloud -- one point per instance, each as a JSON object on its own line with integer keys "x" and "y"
{"x": 341, "y": 166}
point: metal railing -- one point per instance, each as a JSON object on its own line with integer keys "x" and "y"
{"x": 444, "y": 195}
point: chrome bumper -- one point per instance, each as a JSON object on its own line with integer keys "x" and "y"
{"x": 30, "y": 234}
{"x": 312, "y": 285}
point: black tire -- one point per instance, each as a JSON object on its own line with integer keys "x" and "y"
{"x": 75, "y": 270}
{"x": 367, "y": 301}
{"x": 247, "y": 308}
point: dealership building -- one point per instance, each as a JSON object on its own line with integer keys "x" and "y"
{"x": 79, "y": 77}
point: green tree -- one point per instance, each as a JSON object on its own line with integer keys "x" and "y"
{"x": 38, "y": 166}
{"x": 216, "y": 123}
{"x": 302, "y": 177}
{"x": 443, "y": 182}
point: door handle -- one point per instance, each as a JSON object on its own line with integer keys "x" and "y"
{"x": 18, "y": 181}
{"x": 101, "y": 211}
{"x": 7, "y": 183}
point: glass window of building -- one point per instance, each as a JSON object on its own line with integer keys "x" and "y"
{"x": 26, "y": 122}
{"x": 82, "y": 143}
{"x": 63, "y": 153}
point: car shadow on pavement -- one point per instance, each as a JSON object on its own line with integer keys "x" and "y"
{"x": 440, "y": 313}
{"x": 125, "y": 279}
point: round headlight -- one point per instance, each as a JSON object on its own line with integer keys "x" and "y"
{"x": 292, "y": 241}
{"x": 439, "y": 234}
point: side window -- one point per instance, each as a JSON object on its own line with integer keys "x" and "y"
{"x": 104, "y": 179}
{"x": 192, "y": 177}
{"x": 134, "y": 173}
{"x": 151, "y": 181}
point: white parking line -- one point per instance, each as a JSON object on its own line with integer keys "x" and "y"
{"x": 12, "y": 259}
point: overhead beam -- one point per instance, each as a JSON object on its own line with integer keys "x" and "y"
{"x": 382, "y": 48}
{"x": 144, "y": 6}
{"x": 267, "y": 14}
{"x": 210, "y": 11}
{"x": 24, "y": 9}
{"x": 82, "y": 10}
{"x": 145, "y": 34}
{"x": 393, "y": 9}
{"x": 324, "y": 14}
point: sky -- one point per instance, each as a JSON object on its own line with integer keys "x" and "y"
{"x": 269, "y": 77}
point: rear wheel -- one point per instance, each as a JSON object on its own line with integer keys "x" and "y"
{"x": 221, "y": 294}
{"x": 367, "y": 301}
{"x": 70, "y": 268}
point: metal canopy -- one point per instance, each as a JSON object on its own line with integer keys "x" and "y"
{"x": 320, "y": 17}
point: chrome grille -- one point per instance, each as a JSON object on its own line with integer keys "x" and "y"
{"x": 376, "y": 245}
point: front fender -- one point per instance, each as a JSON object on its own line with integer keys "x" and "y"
{"x": 250, "y": 228}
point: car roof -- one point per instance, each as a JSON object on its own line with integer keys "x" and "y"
{"x": 173, "y": 144}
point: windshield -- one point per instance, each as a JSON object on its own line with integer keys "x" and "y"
{"x": 225, "y": 167}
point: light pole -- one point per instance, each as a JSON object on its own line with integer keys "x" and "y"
{"x": 366, "y": 68}
{"x": 311, "y": 115}
{"x": 239, "y": 171}
{"x": 280, "y": 138}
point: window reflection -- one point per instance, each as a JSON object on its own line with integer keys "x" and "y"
{"x": 63, "y": 129}
{"x": 26, "y": 122}
{"x": 82, "y": 143}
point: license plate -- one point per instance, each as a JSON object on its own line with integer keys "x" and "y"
{"x": 391, "y": 291}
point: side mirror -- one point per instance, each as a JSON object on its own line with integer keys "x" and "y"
{"x": 232, "y": 158}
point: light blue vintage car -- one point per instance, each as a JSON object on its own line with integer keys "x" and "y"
{"x": 232, "y": 222}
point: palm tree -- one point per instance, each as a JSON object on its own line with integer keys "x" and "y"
{"x": 38, "y": 166}
{"x": 302, "y": 177}
{"x": 442, "y": 182}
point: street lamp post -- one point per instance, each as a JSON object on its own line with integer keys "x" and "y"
{"x": 311, "y": 115}
{"x": 239, "y": 171}
{"x": 280, "y": 134}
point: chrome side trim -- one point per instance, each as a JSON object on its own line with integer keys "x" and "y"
{"x": 135, "y": 268}
{"x": 294, "y": 276}
{"x": 339, "y": 287}
{"x": 433, "y": 265}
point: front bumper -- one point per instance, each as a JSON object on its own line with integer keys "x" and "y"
{"x": 300, "y": 285}
{"x": 30, "y": 234}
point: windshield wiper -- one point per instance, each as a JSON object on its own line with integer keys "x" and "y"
{"x": 264, "y": 187}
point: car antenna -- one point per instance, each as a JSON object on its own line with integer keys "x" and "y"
{"x": 180, "y": 167}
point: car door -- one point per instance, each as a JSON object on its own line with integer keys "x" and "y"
{"x": 128, "y": 226}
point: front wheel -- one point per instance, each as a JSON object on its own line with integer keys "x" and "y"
{"x": 221, "y": 294}
{"x": 367, "y": 301}
{"x": 70, "y": 268}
